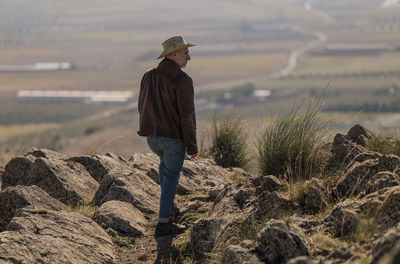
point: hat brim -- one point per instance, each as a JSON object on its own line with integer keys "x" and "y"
{"x": 173, "y": 49}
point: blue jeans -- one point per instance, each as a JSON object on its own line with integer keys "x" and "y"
{"x": 172, "y": 154}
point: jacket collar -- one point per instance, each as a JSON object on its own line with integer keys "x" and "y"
{"x": 169, "y": 67}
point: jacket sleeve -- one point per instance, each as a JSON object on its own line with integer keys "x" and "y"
{"x": 185, "y": 101}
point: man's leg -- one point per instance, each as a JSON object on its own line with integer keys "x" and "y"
{"x": 174, "y": 154}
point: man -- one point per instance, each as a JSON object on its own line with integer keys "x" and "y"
{"x": 168, "y": 120}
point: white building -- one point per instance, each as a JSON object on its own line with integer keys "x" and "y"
{"x": 77, "y": 96}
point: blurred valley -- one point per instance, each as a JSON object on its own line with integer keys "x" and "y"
{"x": 253, "y": 58}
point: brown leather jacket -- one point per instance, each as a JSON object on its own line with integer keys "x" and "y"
{"x": 166, "y": 104}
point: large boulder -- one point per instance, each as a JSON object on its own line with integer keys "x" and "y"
{"x": 122, "y": 217}
{"x": 100, "y": 165}
{"x": 278, "y": 243}
{"x": 133, "y": 187}
{"x": 43, "y": 236}
{"x": 64, "y": 180}
{"x": 16, "y": 197}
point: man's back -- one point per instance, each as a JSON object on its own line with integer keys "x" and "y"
{"x": 166, "y": 104}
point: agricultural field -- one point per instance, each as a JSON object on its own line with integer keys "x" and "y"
{"x": 242, "y": 46}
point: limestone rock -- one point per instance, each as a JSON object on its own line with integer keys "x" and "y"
{"x": 268, "y": 183}
{"x": 278, "y": 243}
{"x": 16, "y": 170}
{"x": 392, "y": 257}
{"x": 343, "y": 221}
{"x": 122, "y": 217}
{"x": 223, "y": 216}
{"x": 42, "y": 236}
{"x": 271, "y": 204}
{"x": 64, "y": 180}
{"x": 316, "y": 198}
{"x": 359, "y": 134}
{"x": 390, "y": 208}
{"x": 194, "y": 173}
{"x": 241, "y": 197}
{"x": 204, "y": 234}
{"x": 359, "y": 174}
{"x": 144, "y": 162}
{"x": 344, "y": 151}
{"x": 100, "y": 165}
{"x": 239, "y": 255}
{"x": 16, "y": 197}
{"x": 356, "y": 177}
{"x": 382, "y": 180}
{"x": 384, "y": 245}
{"x": 135, "y": 188}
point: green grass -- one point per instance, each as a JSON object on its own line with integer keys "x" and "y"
{"x": 294, "y": 146}
{"x": 385, "y": 144}
{"x": 229, "y": 142}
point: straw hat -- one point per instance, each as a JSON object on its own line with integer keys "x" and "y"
{"x": 173, "y": 44}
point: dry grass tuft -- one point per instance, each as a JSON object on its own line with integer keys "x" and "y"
{"x": 295, "y": 146}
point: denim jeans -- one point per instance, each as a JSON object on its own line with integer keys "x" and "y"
{"x": 172, "y": 154}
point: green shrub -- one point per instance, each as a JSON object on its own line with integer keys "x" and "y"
{"x": 385, "y": 144}
{"x": 229, "y": 142}
{"x": 295, "y": 146}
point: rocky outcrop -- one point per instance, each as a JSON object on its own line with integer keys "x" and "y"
{"x": 133, "y": 187}
{"x": 231, "y": 208}
{"x": 390, "y": 208}
{"x": 122, "y": 217}
{"x": 99, "y": 166}
{"x": 64, "y": 180}
{"x": 356, "y": 201}
{"x": 342, "y": 221}
{"x": 239, "y": 255}
{"x": 268, "y": 183}
{"x": 278, "y": 243}
{"x": 316, "y": 198}
{"x": 198, "y": 174}
{"x": 43, "y": 236}
{"x": 385, "y": 245}
{"x": 204, "y": 235}
{"x": 359, "y": 135}
{"x": 17, "y": 197}
{"x": 364, "y": 175}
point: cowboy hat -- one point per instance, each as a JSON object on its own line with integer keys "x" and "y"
{"x": 173, "y": 44}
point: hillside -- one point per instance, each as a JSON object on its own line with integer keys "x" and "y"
{"x": 102, "y": 209}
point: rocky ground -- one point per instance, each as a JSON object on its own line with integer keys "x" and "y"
{"x": 102, "y": 209}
